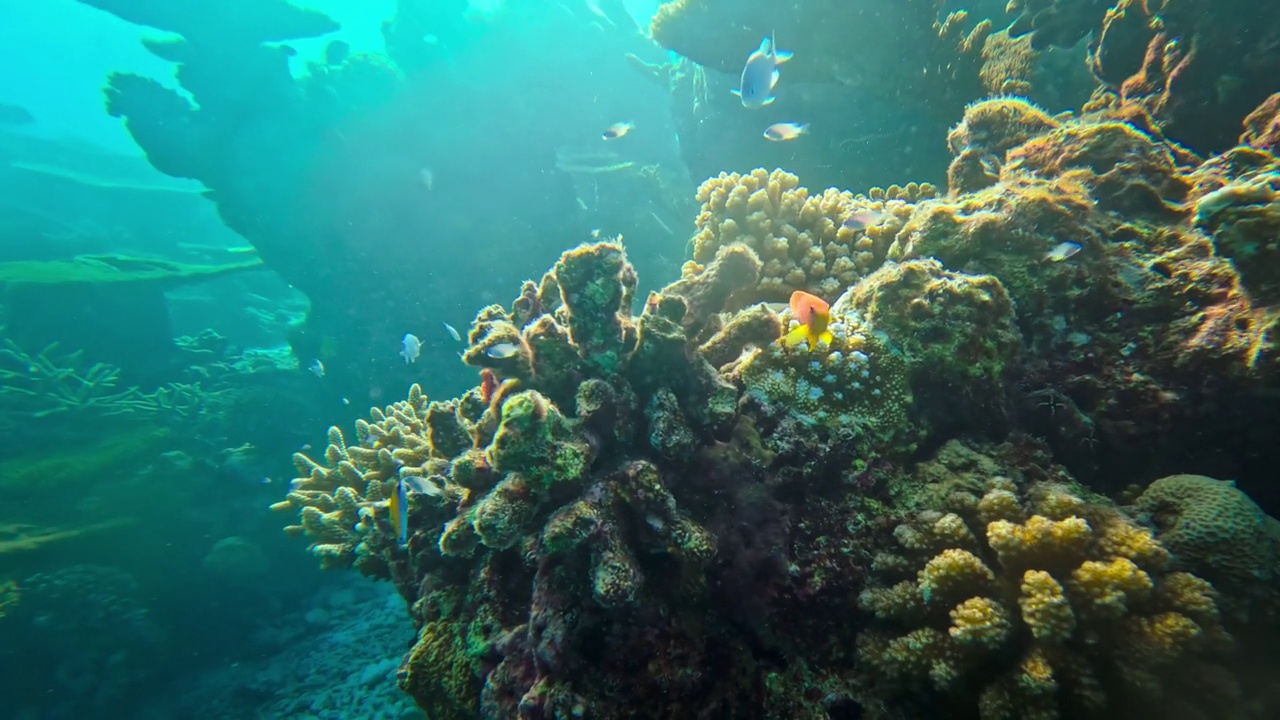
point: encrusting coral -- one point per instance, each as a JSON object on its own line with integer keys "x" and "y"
{"x": 1027, "y": 600}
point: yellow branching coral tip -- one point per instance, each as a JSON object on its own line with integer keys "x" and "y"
{"x": 1107, "y": 588}
{"x": 999, "y": 504}
{"x": 1059, "y": 506}
{"x": 951, "y": 529}
{"x": 1167, "y": 634}
{"x": 1189, "y": 595}
{"x": 980, "y": 621}
{"x": 953, "y": 572}
{"x": 1121, "y": 539}
{"x": 1039, "y": 540}
{"x": 1035, "y": 676}
{"x": 1045, "y": 609}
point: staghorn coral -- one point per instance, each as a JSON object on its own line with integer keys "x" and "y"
{"x": 800, "y": 238}
{"x": 1036, "y": 614}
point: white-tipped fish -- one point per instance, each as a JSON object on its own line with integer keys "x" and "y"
{"x": 502, "y": 350}
{"x": 782, "y": 132}
{"x": 453, "y": 332}
{"x": 863, "y": 219}
{"x": 317, "y": 368}
{"x": 617, "y": 130}
{"x": 1062, "y": 251}
{"x": 760, "y": 74}
{"x": 412, "y": 348}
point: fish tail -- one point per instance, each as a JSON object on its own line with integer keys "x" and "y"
{"x": 797, "y": 336}
{"x": 826, "y": 337}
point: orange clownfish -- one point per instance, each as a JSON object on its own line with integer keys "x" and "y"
{"x": 814, "y": 315}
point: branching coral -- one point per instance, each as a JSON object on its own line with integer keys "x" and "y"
{"x": 1029, "y": 601}
{"x": 802, "y": 239}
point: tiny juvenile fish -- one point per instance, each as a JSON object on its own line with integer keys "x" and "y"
{"x": 781, "y": 132}
{"x": 863, "y": 219}
{"x": 503, "y": 350}
{"x": 412, "y": 348}
{"x": 760, "y": 74}
{"x": 1062, "y": 251}
{"x": 427, "y": 178}
{"x": 317, "y": 368}
{"x": 617, "y": 130}
{"x": 453, "y": 332}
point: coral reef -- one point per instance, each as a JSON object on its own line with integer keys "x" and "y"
{"x": 637, "y": 514}
{"x": 1123, "y": 337}
{"x": 1029, "y": 600}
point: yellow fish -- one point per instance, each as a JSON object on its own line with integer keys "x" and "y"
{"x": 814, "y": 315}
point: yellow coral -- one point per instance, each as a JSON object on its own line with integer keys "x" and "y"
{"x": 1045, "y": 609}
{"x": 1107, "y": 589}
{"x": 953, "y": 573}
{"x": 980, "y": 621}
{"x": 1039, "y": 541}
{"x": 999, "y": 504}
{"x": 1123, "y": 539}
{"x": 799, "y": 236}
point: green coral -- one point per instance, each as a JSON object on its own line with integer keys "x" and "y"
{"x": 534, "y": 439}
{"x": 596, "y": 285}
{"x": 1215, "y": 531}
{"x": 858, "y": 383}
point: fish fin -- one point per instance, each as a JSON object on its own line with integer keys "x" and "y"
{"x": 776, "y": 76}
{"x": 797, "y": 336}
{"x": 781, "y": 56}
{"x": 769, "y": 100}
{"x": 827, "y": 337}
{"x": 766, "y": 46}
{"x": 737, "y": 92}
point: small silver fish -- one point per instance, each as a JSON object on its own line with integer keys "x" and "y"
{"x": 428, "y": 178}
{"x": 781, "y": 132}
{"x": 503, "y": 350}
{"x": 990, "y": 166}
{"x": 760, "y": 74}
{"x": 617, "y": 130}
{"x": 863, "y": 219}
{"x": 1062, "y": 251}
{"x": 317, "y": 368}
{"x": 453, "y": 332}
{"x": 412, "y": 348}
{"x": 346, "y": 401}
